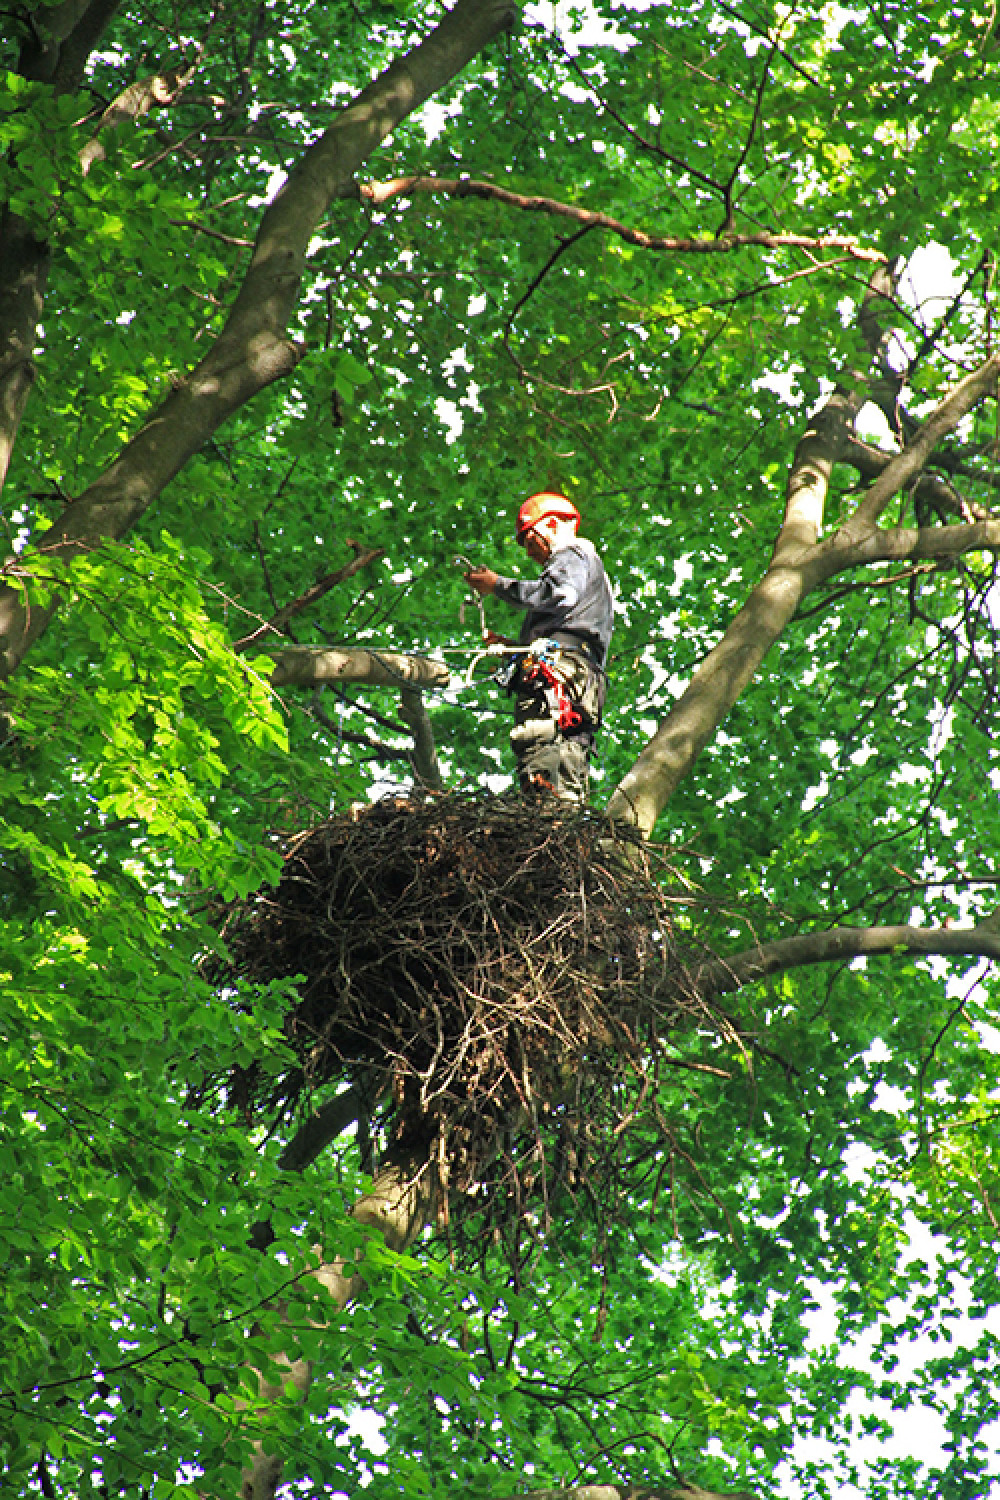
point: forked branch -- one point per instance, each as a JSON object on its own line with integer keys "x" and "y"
{"x": 800, "y": 562}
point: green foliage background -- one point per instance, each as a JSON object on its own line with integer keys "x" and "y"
{"x": 146, "y": 763}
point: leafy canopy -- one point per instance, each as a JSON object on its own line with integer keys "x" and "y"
{"x": 458, "y": 352}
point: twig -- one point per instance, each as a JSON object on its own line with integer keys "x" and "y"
{"x": 279, "y": 621}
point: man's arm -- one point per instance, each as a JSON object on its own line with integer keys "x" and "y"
{"x": 483, "y": 580}
{"x": 560, "y": 587}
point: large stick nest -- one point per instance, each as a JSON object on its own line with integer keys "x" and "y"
{"x": 489, "y": 967}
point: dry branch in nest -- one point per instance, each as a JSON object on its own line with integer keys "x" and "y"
{"x": 504, "y": 975}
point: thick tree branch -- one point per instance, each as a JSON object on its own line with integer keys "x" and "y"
{"x": 61, "y": 39}
{"x": 880, "y": 297}
{"x": 840, "y": 944}
{"x": 425, "y": 761}
{"x": 718, "y": 682}
{"x": 24, "y": 269}
{"x": 931, "y": 490}
{"x": 469, "y": 187}
{"x": 800, "y": 562}
{"x": 319, "y": 1129}
{"x": 727, "y": 670}
{"x": 821, "y": 445}
{"x": 311, "y": 666}
{"x": 920, "y": 544}
{"x": 253, "y": 349}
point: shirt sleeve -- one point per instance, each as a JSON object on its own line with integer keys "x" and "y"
{"x": 560, "y": 587}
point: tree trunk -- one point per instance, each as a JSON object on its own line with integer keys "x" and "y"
{"x": 402, "y": 1202}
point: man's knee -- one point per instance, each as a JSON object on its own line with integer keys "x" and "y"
{"x": 557, "y": 766}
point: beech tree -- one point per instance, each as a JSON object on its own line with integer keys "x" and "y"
{"x": 296, "y": 305}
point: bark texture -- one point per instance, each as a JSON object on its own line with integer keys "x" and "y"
{"x": 24, "y": 269}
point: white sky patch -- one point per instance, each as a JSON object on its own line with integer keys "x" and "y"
{"x": 872, "y": 427}
{"x": 929, "y": 282}
{"x": 496, "y": 783}
{"x": 578, "y": 25}
{"x": 277, "y": 177}
{"x": 434, "y": 117}
{"x": 816, "y": 794}
{"x": 989, "y": 1036}
{"x": 683, "y": 573}
{"x": 450, "y": 417}
{"x": 846, "y": 309}
{"x": 782, "y": 383}
{"x": 458, "y": 359}
{"x": 890, "y": 1099}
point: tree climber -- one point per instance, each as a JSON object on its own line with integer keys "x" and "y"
{"x": 559, "y": 681}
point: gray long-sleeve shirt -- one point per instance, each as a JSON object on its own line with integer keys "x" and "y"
{"x": 572, "y": 596}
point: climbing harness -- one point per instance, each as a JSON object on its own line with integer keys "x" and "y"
{"x": 543, "y": 666}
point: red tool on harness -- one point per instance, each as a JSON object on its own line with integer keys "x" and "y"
{"x": 535, "y": 667}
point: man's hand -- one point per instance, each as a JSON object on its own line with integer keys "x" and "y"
{"x": 483, "y": 580}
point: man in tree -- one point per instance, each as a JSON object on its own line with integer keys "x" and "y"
{"x": 559, "y": 682}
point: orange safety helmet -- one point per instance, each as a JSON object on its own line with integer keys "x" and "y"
{"x": 546, "y": 503}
